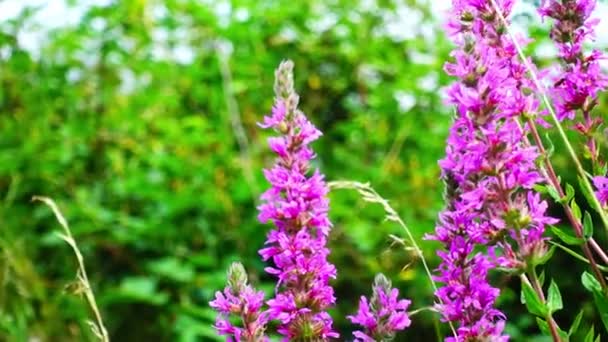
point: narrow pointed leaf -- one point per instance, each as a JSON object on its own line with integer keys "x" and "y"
{"x": 587, "y": 226}
{"x": 576, "y": 210}
{"x": 576, "y": 323}
{"x": 566, "y": 237}
{"x": 533, "y": 303}
{"x": 590, "y": 283}
{"x": 554, "y": 298}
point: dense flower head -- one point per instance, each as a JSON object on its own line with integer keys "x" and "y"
{"x": 577, "y": 86}
{"x": 240, "y": 300}
{"x": 297, "y": 204}
{"x": 381, "y": 316}
{"x": 493, "y": 217}
{"x": 573, "y": 24}
{"x": 579, "y": 80}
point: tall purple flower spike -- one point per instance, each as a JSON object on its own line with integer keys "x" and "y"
{"x": 297, "y": 204}
{"x": 493, "y": 218}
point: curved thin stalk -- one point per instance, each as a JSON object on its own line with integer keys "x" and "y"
{"x": 97, "y": 327}
{"x": 370, "y": 195}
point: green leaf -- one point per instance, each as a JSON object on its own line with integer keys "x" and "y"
{"x": 587, "y": 226}
{"x": 590, "y": 283}
{"x": 553, "y": 193}
{"x": 544, "y": 328}
{"x": 543, "y": 260}
{"x": 599, "y": 297}
{"x": 576, "y": 210}
{"x": 541, "y": 278}
{"x": 554, "y": 298}
{"x": 550, "y": 147}
{"x": 602, "y": 307}
{"x": 137, "y": 289}
{"x": 171, "y": 268}
{"x": 576, "y": 323}
{"x": 566, "y": 237}
{"x": 590, "y": 197}
{"x": 569, "y": 194}
{"x": 533, "y": 303}
{"x": 590, "y": 335}
{"x": 540, "y": 188}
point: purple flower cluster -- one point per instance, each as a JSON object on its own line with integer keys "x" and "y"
{"x": 601, "y": 184}
{"x": 579, "y": 79}
{"x": 240, "y": 300}
{"x": 573, "y": 24}
{"x": 383, "y": 315}
{"x": 297, "y": 204}
{"x": 493, "y": 218}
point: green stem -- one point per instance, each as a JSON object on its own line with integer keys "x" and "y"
{"x": 578, "y": 228}
{"x": 419, "y": 310}
{"x": 535, "y": 283}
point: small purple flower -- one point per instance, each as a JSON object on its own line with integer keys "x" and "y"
{"x": 297, "y": 204}
{"x": 383, "y": 315}
{"x": 601, "y": 184}
{"x": 240, "y": 300}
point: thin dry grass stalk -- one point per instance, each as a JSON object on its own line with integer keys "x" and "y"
{"x": 368, "y": 194}
{"x": 84, "y": 286}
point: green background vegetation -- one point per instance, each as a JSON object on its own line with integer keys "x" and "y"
{"x": 140, "y": 121}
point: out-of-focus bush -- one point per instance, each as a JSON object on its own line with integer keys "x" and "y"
{"x": 131, "y": 118}
{"x": 140, "y": 121}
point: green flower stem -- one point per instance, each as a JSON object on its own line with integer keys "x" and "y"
{"x": 535, "y": 284}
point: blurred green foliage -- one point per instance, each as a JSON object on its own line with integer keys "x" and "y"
{"x": 140, "y": 121}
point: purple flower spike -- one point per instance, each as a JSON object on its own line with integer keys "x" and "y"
{"x": 579, "y": 79}
{"x": 493, "y": 218}
{"x": 297, "y": 204}
{"x": 240, "y": 300}
{"x": 383, "y": 315}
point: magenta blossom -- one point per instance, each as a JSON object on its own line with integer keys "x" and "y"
{"x": 579, "y": 79}
{"x": 383, "y": 315}
{"x": 240, "y": 300}
{"x": 493, "y": 218}
{"x": 297, "y": 204}
{"x": 601, "y": 184}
